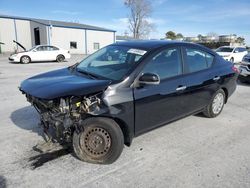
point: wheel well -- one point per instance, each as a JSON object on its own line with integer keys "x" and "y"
{"x": 226, "y": 93}
{"x": 24, "y": 56}
{"x": 125, "y": 130}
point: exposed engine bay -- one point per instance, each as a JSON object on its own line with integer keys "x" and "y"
{"x": 61, "y": 117}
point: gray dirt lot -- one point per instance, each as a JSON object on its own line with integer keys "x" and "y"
{"x": 192, "y": 152}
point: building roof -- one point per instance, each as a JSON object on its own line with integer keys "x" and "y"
{"x": 59, "y": 23}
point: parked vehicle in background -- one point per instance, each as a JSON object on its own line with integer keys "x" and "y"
{"x": 126, "y": 89}
{"x": 245, "y": 69}
{"x": 40, "y": 53}
{"x": 233, "y": 54}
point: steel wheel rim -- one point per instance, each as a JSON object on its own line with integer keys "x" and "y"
{"x": 218, "y": 103}
{"x": 25, "y": 59}
{"x": 96, "y": 142}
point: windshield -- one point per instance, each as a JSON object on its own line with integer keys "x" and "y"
{"x": 111, "y": 62}
{"x": 224, "y": 49}
{"x": 32, "y": 48}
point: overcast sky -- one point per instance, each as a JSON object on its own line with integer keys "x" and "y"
{"x": 189, "y": 17}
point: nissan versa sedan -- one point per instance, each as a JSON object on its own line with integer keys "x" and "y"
{"x": 126, "y": 89}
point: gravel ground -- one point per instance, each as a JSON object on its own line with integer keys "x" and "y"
{"x": 192, "y": 152}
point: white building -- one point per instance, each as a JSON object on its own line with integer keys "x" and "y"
{"x": 77, "y": 38}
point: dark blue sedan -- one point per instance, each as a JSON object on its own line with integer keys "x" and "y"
{"x": 126, "y": 89}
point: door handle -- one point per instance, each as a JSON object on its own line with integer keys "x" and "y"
{"x": 216, "y": 78}
{"x": 181, "y": 88}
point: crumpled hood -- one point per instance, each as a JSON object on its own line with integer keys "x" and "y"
{"x": 60, "y": 83}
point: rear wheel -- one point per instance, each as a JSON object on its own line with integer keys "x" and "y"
{"x": 60, "y": 58}
{"x": 216, "y": 105}
{"x": 25, "y": 59}
{"x": 101, "y": 141}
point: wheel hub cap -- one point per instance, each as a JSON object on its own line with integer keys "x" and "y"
{"x": 218, "y": 103}
{"x": 25, "y": 60}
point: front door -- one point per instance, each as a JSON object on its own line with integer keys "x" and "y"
{"x": 159, "y": 104}
{"x": 39, "y": 54}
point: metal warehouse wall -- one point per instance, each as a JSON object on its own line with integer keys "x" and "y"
{"x": 23, "y": 33}
{"x": 103, "y": 37}
{"x": 8, "y": 34}
{"x": 62, "y": 37}
{"x": 42, "y": 31}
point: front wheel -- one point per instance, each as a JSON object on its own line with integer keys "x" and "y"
{"x": 100, "y": 141}
{"x": 216, "y": 105}
{"x": 25, "y": 59}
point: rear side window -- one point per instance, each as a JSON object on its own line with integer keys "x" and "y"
{"x": 197, "y": 60}
{"x": 166, "y": 64}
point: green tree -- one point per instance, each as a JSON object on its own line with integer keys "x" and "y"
{"x": 200, "y": 37}
{"x": 179, "y": 36}
{"x": 171, "y": 35}
{"x": 240, "y": 40}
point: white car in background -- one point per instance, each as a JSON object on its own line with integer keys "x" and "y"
{"x": 233, "y": 54}
{"x": 41, "y": 53}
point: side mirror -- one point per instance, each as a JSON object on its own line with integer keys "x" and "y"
{"x": 149, "y": 78}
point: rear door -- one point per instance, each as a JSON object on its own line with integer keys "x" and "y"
{"x": 199, "y": 78}
{"x": 52, "y": 53}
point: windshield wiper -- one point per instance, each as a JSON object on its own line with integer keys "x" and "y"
{"x": 91, "y": 75}
{"x": 72, "y": 67}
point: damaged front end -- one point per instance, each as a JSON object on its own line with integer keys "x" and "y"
{"x": 62, "y": 116}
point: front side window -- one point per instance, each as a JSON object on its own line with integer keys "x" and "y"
{"x": 236, "y": 50}
{"x": 165, "y": 64}
{"x": 112, "y": 62}
{"x": 40, "y": 48}
{"x": 196, "y": 60}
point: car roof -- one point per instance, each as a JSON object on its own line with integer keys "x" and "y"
{"x": 45, "y": 45}
{"x": 232, "y": 47}
{"x": 227, "y": 47}
{"x": 154, "y": 44}
{"x": 147, "y": 44}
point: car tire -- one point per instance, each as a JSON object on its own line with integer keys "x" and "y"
{"x": 216, "y": 105}
{"x": 232, "y": 60}
{"x": 100, "y": 141}
{"x": 25, "y": 59}
{"x": 60, "y": 58}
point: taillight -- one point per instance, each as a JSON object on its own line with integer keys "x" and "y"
{"x": 235, "y": 69}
